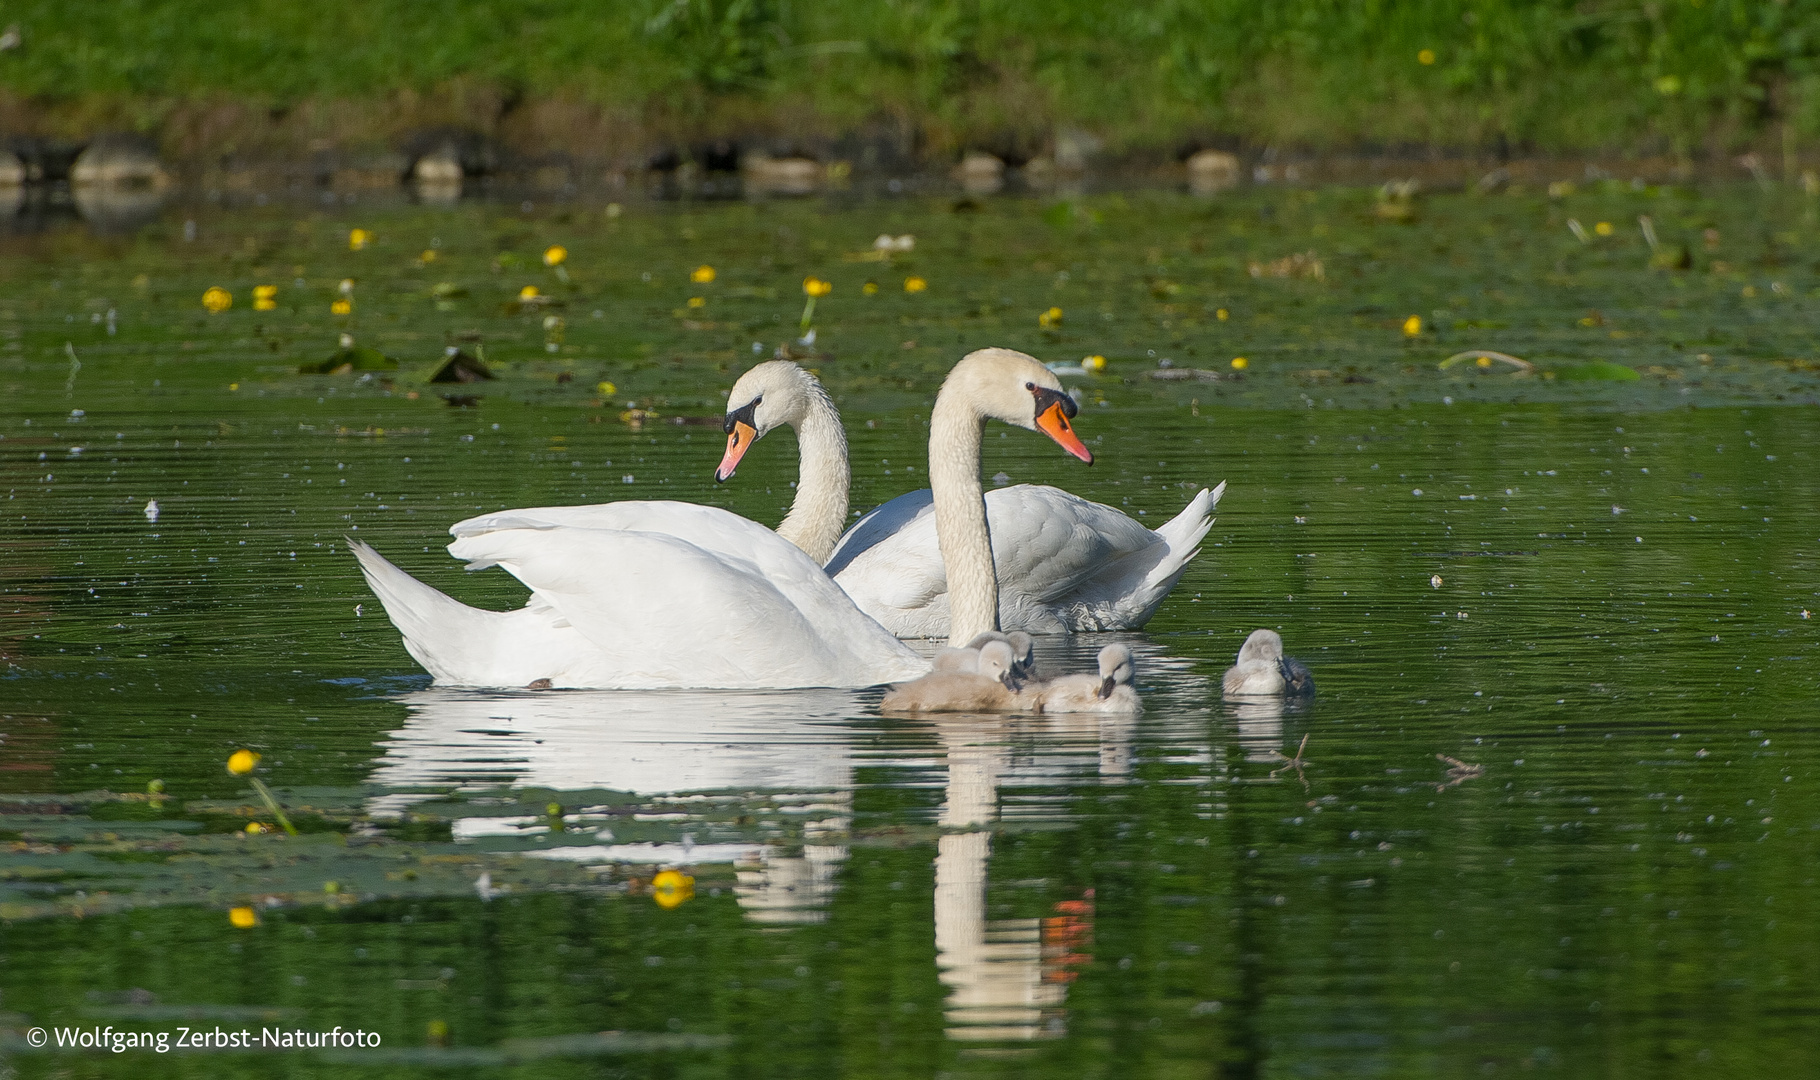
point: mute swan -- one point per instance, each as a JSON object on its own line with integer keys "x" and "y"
{"x": 986, "y": 689}
{"x": 1108, "y": 692}
{"x": 1064, "y": 564}
{"x": 646, "y": 595}
{"x": 1262, "y": 669}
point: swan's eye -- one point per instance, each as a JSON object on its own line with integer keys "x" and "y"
{"x": 1030, "y": 386}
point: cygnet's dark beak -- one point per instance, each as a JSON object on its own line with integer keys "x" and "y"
{"x": 1106, "y": 686}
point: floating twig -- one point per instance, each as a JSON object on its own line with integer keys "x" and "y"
{"x": 1458, "y": 772}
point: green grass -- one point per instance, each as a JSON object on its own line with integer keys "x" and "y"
{"x": 1549, "y": 75}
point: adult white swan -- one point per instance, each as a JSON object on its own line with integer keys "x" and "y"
{"x": 666, "y": 594}
{"x": 1064, "y": 564}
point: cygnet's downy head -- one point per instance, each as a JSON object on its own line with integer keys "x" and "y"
{"x": 1008, "y": 385}
{"x": 1023, "y": 649}
{"x": 1263, "y": 646}
{"x": 1116, "y": 669}
{"x": 995, "y": 661}
{"x": 774, "y": 393}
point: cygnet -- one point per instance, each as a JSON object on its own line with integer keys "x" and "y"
{"x": 1263, "y": 670}
{"x": 985, "y": 689}
{"x": 966, "y": 658}
{"x": 1108, "y": 692}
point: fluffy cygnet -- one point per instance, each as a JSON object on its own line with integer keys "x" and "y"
{"x": 966, "y": 658}
{"x": 984, "y": 689}
{"x": 1263, "y": 670}
{"x": 1108, "y": 692}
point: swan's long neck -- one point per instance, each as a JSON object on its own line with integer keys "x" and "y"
{"x": 818, "y": 514}
{"x": 955, "y": 431}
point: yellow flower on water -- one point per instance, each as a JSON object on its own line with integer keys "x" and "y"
{"x": 265, "y": 297}
{"x": 1484, "y": 361}
{"x": 814, "y": 286}
{"x": 870, "y": 288}
{"x": 358, "y": 238}
{"x": 529, "y": 292}
{"x": 1096, "y": 363}
{"x": 1050, "y": 319}
{"x": 241, "y": 762}
{"x": 670, "y": 888}
{"x": 702, "y": 275}
{"x": 253, "y": 828}
{"x": 1222, "y": 315}
{"x": 342, "y": 307}
{"x": 1412, "y": 326}
{"x": 1603, "y": 228}
{"x": 428, "y": 256}
{"x": 915, "y": 284}
{"x": 217, "y": 300}
{"x": 606, "y": 389}
{"x": 1425, "y": 57}
{"x": 554, "y": 255}
{"x": 1239, "y": 363}
{"x": 698, "y": 301}
{"x": 245, "y": 918}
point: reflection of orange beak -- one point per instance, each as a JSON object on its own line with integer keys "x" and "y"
{"x": 737, "y": 445}
{"x": 1054, "y": 423}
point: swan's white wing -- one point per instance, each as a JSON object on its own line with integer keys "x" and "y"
{"x": 1048, "y": 545}
{"x": 732, "y": 605}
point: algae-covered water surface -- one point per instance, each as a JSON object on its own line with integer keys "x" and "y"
{"x": 1555, "y": 808}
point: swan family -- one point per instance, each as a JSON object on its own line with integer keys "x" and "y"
{"x": 664, "y": 594}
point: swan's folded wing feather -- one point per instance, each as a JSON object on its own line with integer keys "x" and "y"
{"x": 672, "y": 612}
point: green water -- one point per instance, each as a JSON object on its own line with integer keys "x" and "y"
{"x": 1600, "y": 597}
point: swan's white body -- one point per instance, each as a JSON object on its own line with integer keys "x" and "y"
{"x": 644, "y": 595}
{"x": 650, "y": 595}
{"x": 1064, "y": 564}
{"x": 1108, "y": 692}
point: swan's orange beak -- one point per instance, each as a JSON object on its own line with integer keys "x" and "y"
{"x": 739, "y": 440}
{"x": 1054, "y": 423}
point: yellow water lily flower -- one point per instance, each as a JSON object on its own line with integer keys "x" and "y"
{"x": 244, "y": 918}
{"x": 915, "y": 284}
{"x": 529, "y": 292}
{"x": 606, "y": 389}
{"x": 870, "y": 288}
{"x": 1603, "y": 228}
{"x": 671, "y": 888}
{"x": 254, "y": 828}
{"x": 428, "y": 256}
{"x": 265, "y": 297}
{"x": 702, "y": 275}
{"x": 342, "y": 307}
{"x": 1425, "y": 57}
{"x": 1095, "y": 363}
{"x": 814, "y": 286}
{"x": 1050, "y": 319}
{"x": 358, "y": 239}
{"x": 698, "y": 301}
{"x": 554, "y": 255}
{"x": 1222, "y": 314}
{"x": 1239, "y": 363}
{"x": 217, "y": 300}
{"x": 1412, "y": 326}
{"x": 241, "y": 762}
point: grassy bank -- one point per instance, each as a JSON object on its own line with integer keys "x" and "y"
{"x": 927, "y": 77}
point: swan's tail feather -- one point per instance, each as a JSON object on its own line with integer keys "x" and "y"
{"x": 1183, "y": 533}
{"x": 446, "y": 636}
